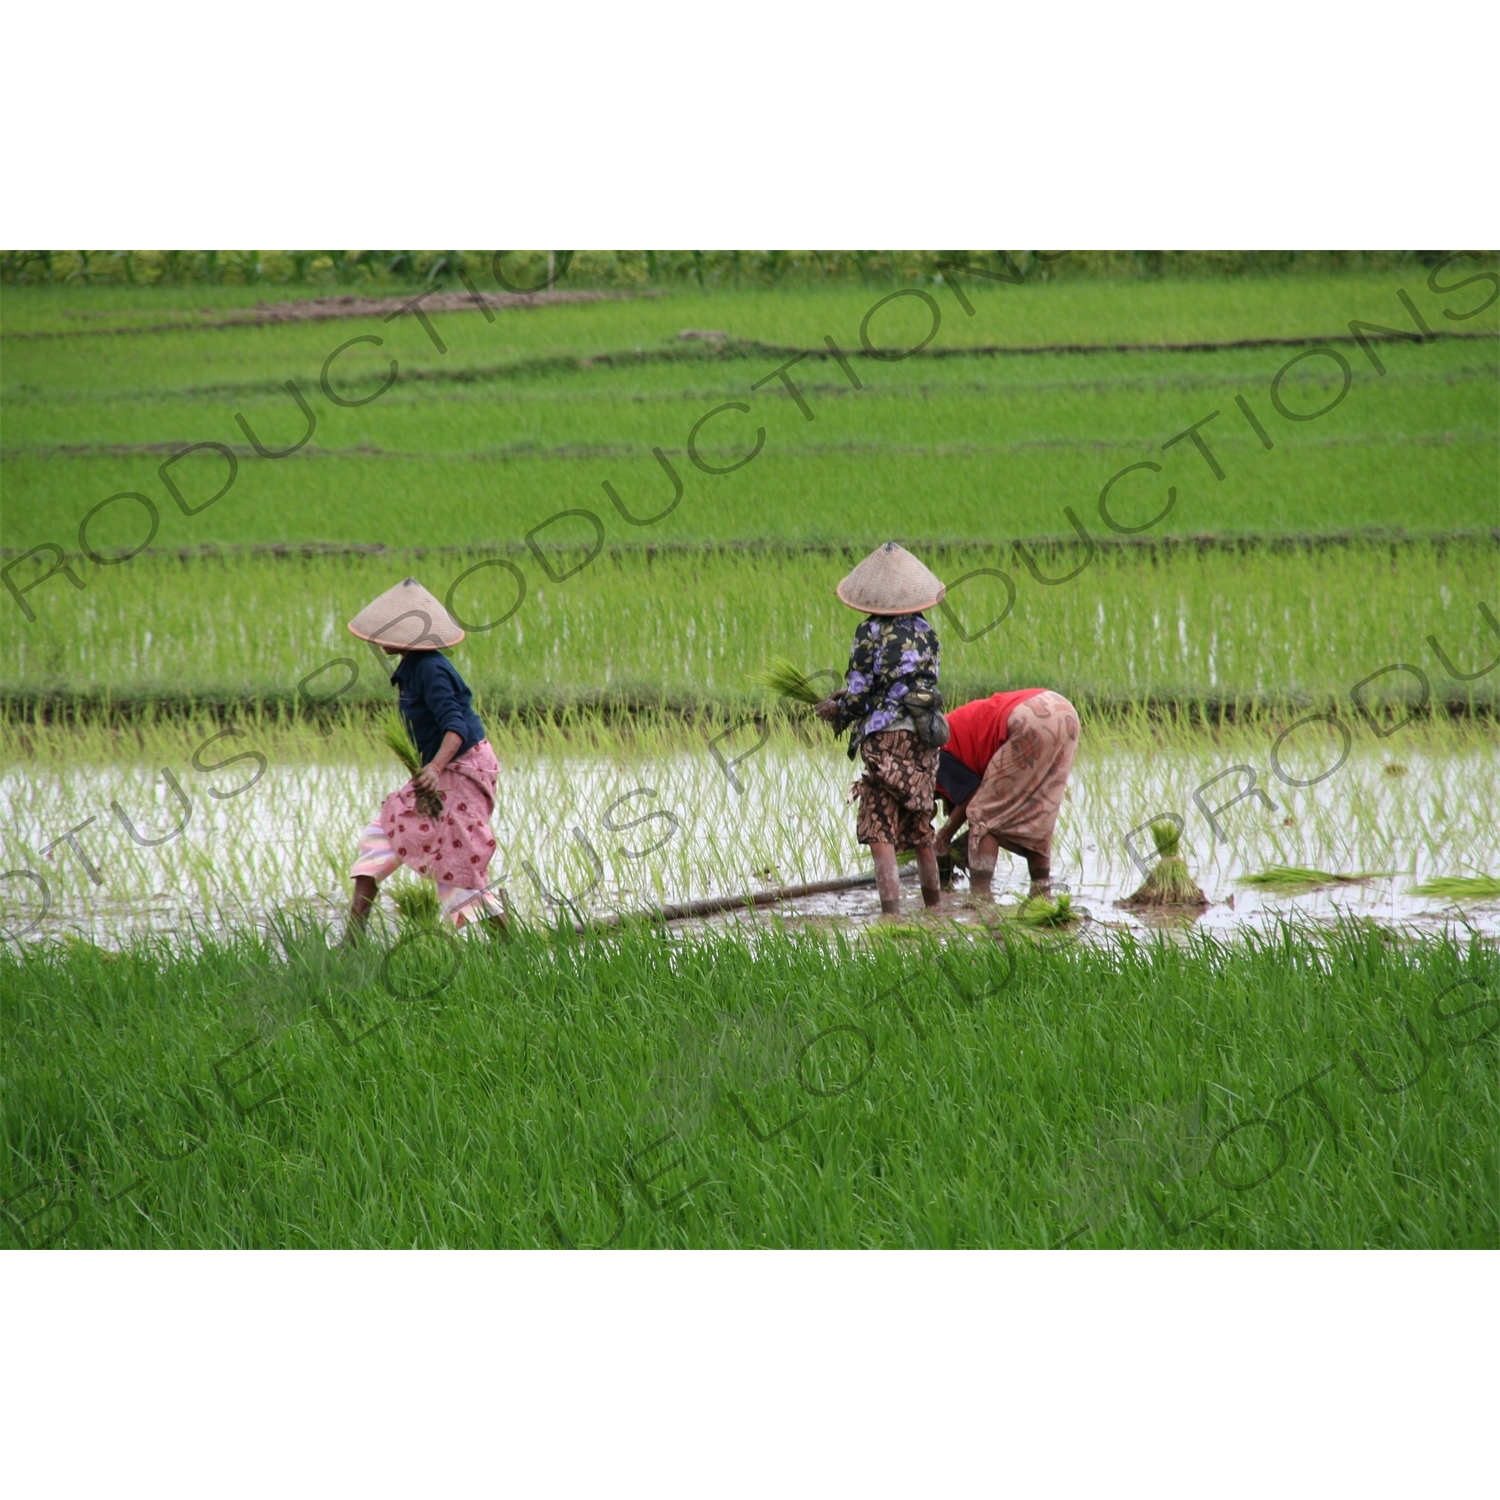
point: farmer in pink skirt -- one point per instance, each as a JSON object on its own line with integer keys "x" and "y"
{"x": 455, "y": 847}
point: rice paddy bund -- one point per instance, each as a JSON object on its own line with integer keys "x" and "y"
{"x": 1247, "y": 526}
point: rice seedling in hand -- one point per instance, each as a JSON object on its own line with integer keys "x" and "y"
{"x": 785, "y": 678}
{"x": 1294, "y": 878}
{"x": 1460, "y": 887}
{"x": 1169, "y": 882}
{"x": 397, "y": 737}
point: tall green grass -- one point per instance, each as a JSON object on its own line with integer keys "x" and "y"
{"x": 627, "y": 1090}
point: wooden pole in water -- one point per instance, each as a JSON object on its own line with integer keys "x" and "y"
{"x": 712, "y": 905}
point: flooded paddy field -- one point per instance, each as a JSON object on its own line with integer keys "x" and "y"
{"x": 105, "y": 837}
{"x": 193, "y": 1059}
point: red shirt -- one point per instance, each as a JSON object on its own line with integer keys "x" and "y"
{"x": 978, "y": 729}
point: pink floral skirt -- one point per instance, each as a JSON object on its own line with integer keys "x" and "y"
{"x": 454, "y": 849}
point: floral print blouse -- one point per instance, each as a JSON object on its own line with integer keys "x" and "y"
{"x": 891, "y": 656}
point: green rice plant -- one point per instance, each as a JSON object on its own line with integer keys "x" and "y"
{"x": 1461, "y": 887}
{"x": 1299, "y": 878}
{"x": 1167, "y": 837}
{"x": 784, "y": 677}
{"x": 1168, "y": 882}
{"x": 397, "y": 737}
{"x": 681, "y": 628}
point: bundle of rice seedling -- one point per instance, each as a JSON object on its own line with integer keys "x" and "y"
{"x": 1299, "y": 878}
{"x": 957, "y": 858}
{"x": 1169, "y": 883}
{"x": 959, "y": 850}
{"x": 418, "y": 905}
{"x": 1460, "y": 887}
{"x": 786, "y": 679}
{"x": 1042, "y": 911}
{"x": 394, "y": 732}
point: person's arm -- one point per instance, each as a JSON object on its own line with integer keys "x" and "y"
{"x": 428, "y": 775}
{"x": 843, "y": 708}
{"x": 441, "y": 698}
{"x": 949, "y": 831}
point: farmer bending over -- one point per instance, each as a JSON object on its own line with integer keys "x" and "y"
{"x": 456, "y": 847}
{"x": 1004, "y": 770}
{"x": 889, "y": 700}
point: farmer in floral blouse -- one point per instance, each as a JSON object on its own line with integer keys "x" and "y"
{"x": 455, "y": 847}
{"x": 893, "y": 665}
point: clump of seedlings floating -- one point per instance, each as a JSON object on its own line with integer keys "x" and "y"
{"x": 397, "y": 736}
{"x": 1293, "y": 879}
{"x": 1460, "y": 887}
{"x": 1169, "y": 882}
{"x": 1045, "y": 911}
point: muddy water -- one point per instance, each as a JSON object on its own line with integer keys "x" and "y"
{"x": 599, "y": 835}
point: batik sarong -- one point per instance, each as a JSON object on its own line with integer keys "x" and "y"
{"x": 895, "y": 794}
{"x": 455, "y": 849}
{"x": 1021, "y": 794}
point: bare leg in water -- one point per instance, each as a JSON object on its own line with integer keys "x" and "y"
{"x": 888, "y": 880}
{"x": 983, "y": 853}
{"x": 365, "y": 888}
{"x": 927, "y": 876}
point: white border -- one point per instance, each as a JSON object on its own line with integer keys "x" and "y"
{"x": 805, "y": 125}
{"x": 757, "y": 1374}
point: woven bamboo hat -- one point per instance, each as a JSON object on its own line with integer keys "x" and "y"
{"x": 890, "y": 581}
{"x": 409, "y": 617}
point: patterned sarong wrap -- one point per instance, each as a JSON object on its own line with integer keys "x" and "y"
{"x": 895, "y": 794}
{"x": 1021, "y": 793}
{"x": 455, "y": 849}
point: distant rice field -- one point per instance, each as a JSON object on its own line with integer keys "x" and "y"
{"x": 953, "y": 449}
{"x": 684, "y": 627}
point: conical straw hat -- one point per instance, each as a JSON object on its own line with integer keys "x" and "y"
{"x": 890, "y": 581}
{"x": 409, "y": 617}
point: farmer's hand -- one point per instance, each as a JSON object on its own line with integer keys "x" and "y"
{"x": 946, "y": 834}
{"x": 828, "y": 708}
{"x": 427, "y": 777}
